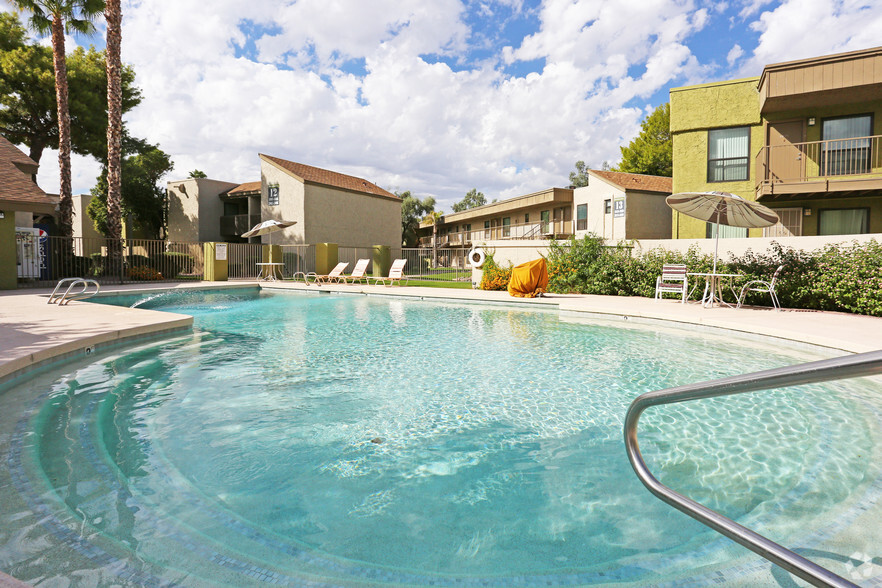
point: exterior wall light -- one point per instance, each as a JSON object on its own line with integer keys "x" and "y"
{"x": 811, "y": 121}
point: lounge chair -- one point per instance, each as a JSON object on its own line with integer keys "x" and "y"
{"x": 358, "y": 272}
{"x": 396, "y": 273}
{"x": 762, "y": 286}
{"x": 674, "y": 280}
{"x": 335, "y": 275}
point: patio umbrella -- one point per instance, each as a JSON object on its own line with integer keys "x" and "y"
{"x": 722, "y": 208}
{"x": 267, "y": 227}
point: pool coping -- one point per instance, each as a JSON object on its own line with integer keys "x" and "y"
{"x": 33, "y": 333}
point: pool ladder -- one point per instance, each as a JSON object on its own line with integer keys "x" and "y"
{"x": 852, "y": 366}
{"x": 63, "y": 298}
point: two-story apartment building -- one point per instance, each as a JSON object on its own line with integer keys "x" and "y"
{"x": 803, "y": 138}
{"x": 327, "y": 206}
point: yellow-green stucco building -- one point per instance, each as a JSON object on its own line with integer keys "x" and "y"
{"x": 804, "y": 138}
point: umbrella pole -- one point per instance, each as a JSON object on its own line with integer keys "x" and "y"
{"x": 717, "y": 246}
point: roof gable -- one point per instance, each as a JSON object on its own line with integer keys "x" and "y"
{"x": 636, "y": 182}
{"x": 16, "y": 185}
{"x": 317, "y": 175}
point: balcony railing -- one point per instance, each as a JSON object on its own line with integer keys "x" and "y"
{"x": 557, "y": 229}
{"x": 840, "y": 159}
{"x": 236, "y": 224}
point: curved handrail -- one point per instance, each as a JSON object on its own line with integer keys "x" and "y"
{"x": 55, "y": 296}
{"x": 82, "y": 294}
{"x": 852, "y": 366}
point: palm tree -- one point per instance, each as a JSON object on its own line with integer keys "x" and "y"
{"x": 57, "y": 17}
{"x": 113, "y": 16}
{"x": 433, "y": 218}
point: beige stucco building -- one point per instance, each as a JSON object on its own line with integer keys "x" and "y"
{"x": 327, "y": 206}
{"x": 619, "y": 206}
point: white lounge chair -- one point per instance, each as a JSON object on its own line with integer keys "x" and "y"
{"x": 396, "y": 273}
{"x": 674, "y": 280}
{"x": 762, "y": 286}
{"x": 358, "y": 272}
{"x": 334, "y": 276}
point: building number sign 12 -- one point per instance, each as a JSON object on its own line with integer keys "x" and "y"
{"x": 273, "y": 195}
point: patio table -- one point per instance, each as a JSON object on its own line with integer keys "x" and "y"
{"x": 713, "y": 287}
{"x": 268, "y": 271}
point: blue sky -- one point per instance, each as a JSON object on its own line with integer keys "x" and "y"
{"x": 444, "y": 96}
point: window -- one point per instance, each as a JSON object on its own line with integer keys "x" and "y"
{"x": 726, "y": 232}
{"x": 789, "y": 223}
{"x": 526, "y": 217}
{"x": 846, "y": 145}
{"x": 607, "y": 206}
{"x": 727, "y": 153}
{"x": 545, "y": 217}
{"x": 582, "y": 217}
{"x": 506, "y": 227}
{"x": 272, "y": 195}
{"x": 844, "y": 221}
{"x": 486, "y": 229}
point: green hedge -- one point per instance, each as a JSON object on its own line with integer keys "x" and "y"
{"x": 843, "y": 278}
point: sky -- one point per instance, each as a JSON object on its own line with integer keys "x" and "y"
{"x": 443, "y": 96}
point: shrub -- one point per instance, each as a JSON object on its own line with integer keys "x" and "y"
{"x": 494, "y": 277}
{"x": 834, "y": 278}
{"x": 143, "y": 272}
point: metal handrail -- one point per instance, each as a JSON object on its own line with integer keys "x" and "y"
{"x": 852, "y": 366}
{"x": 55, "y": 295}
{"x": 65, "y": 298}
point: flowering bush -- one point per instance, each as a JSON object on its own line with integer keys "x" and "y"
{"x": 494, "y": 277}
{"x": 143, "y": 272}
{"x": 834, "y": 278}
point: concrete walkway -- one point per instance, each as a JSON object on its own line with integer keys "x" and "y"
{"x": 33, "y": 332}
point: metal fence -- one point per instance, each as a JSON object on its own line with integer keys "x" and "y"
{"x": 300, "y": 259}
{"x": 242, "y": 260}
{"x": 353, "y": 254}
{"x": 437, "y": 265}
{"x": 42, "y": 260}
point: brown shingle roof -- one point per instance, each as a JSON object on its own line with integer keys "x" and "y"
{"x": 16, "y": 185}
{"x": 317, "y": 175}
{"x": 640, "y": 182}
{"x": 246, "y": 188}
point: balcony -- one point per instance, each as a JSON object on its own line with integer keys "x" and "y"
{"x": 236, "y": 224}
{"x": 819, "y": 167}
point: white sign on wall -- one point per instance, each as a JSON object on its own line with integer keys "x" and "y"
{"x": 619, "y": 208}
{"x": 220, "y": 252}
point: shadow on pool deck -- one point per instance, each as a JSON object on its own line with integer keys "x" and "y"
{"x": 32, "y": 331}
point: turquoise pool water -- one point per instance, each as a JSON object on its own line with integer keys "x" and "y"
{"x": 345, "y": 440}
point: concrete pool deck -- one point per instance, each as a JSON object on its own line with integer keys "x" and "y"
{"x": 33, "y": 332}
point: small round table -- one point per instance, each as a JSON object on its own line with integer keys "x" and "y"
{"x": 268, "y": 271}
{"x": 713, "y": 287}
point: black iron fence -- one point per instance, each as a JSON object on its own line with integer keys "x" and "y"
{"x": 42, "y": 261}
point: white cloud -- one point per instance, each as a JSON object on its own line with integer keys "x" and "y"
{"x": 84, "y": 169}
{"x": 734, "y": 54}
{"x": 800, "y": 29}
{"x": 346, "y": 85}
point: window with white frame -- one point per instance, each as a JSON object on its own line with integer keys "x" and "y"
{"x": 789, "y": 223}
{"x": 582, "y": 217}
{"x": 844, "y": 221}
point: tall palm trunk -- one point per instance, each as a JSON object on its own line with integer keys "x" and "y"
{"x": 64, "y": 191}
{"x": 113, "y": 16}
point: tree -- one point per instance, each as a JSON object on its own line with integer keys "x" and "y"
{"x": 433, "y": 218}
{"x": 472, "y": 199}
{"x": 57, "y": 17}
{"x": 28, "y": 110}
{"x": 579, "y": 177}
{"x": 143, "y": 198}
{"x": 652, "y": 151}
{"x": 113, "y": 62}
{"x": 197, "y": 174}
{"x": 412, "y": 210}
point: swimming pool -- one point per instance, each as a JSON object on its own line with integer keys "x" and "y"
{"x": 348, "y": 439}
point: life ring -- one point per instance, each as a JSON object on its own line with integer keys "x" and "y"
{"x": 477, "y": 257}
